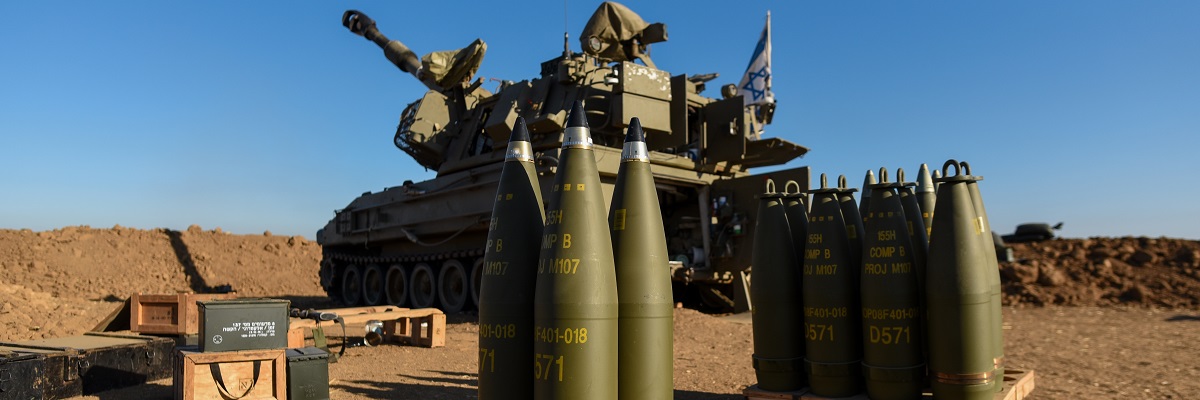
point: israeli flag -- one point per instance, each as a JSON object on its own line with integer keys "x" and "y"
{"x": 755, "y": 86}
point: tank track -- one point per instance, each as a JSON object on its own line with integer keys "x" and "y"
{"x": 335, "y": 267}
{"x": 438, "y": 256}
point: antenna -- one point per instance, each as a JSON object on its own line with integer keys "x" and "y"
{"x": 566, "y": 35}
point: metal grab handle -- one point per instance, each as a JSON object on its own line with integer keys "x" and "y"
{"x": 946, "y": 168}
{"x": 789, "y": 184}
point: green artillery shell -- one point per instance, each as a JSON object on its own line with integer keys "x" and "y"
{"x": 831, "y": 313}
{"x": 993, "y": 268}
{"x": 959, "y": 297}
{"x": 775, "y": 293}
{"x": 926, "y": 196}
{"x": 645, "y": 328}
{"x": 865, "y": 199}
{"x": 912, "y": 213}
{"x": 509, "y": 274}
{"x": 854, "y": 222}
{"x": 920, "y": 242}
{"x": 575, "y": 306}
{"x": 892, "y": 337}
{"x": 916, "y": 228}
{"x": 795, "y": 207}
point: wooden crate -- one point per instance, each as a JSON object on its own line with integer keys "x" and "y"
{"x": 169, "y": 314}
{"x": 57, "y": 376}
{"x": 250, "y": 374}
{"x": 296, "y": 338}
{"x": 1017, "y": 385}
{"x": 97, "y": 362}
{"x": 425, "y": 330}
{"x": 425, "y": 327}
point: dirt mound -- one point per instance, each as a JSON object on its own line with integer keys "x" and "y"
{"x": 63, "y": 282}
{"x": 1104, "y": 271}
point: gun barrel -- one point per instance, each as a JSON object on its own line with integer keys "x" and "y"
{"x": 400, "y": 55}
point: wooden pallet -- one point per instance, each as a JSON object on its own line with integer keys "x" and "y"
{"x": 424, "y": 327}
{"x": 1017, "y": 385}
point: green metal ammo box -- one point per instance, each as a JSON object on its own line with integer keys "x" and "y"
{"x": 243, "y": 324}
{"x": 308, "y": 374}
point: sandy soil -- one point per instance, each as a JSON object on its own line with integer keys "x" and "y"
{"x": 1139, "y": 342}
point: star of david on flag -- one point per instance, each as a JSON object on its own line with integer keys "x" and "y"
{"x": 755, "y": 86}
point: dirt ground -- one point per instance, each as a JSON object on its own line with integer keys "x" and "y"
{"x": 1128, "y": 331}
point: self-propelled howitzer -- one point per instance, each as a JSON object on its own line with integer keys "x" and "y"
{"x": 421, "y": 244}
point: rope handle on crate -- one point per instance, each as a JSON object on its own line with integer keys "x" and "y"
{"x": 215, "y": 370}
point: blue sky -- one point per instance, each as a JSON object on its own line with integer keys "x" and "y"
{"x": 269, "y": 115}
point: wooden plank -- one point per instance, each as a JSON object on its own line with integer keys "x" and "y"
{"x": 194, "y": 376}
{"x": 425, "y": 327}
{"x": 362, "y": 310}
{"x": 117, "y": 320}
{"x": 754, "y": 393}
{"x": 362, "y": 318}
{"x": 1018, "y": 384}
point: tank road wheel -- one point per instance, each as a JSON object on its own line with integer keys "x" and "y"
{"x": 396, "y": 287}
{"x": 373, "y": 285}
{"x": 714, "y": 297}
{"x": 421, "y": 288}
{"x": 476, "y": 280}
{"x": 351, "y": 285}
{"x": 453, "y": 286}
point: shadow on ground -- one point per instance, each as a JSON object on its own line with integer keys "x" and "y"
{"x": 397, "y": 390}
{"x": 690, "y": 395}
{"x": 1183, "y": 317}
{"x": 160, "y": 389}
{"x": 195, "y": 280}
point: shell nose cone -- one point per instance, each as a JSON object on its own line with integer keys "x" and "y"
{"x": 635, "y": 134}
{"x": 577, "y": 118}
{"x": 924, "y": 180}
{"x": 520, "y": 133}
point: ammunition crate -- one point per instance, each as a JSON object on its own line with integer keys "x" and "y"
{"x": 169, "y": 314}
{"x": 308, "y": 373}
{"x": 95, "y": 362}
{"x": 245, "y": 375}
{"x": 22, "y": 376}
{"x": 55, "y": 373}
{"x": 243, "y": 324}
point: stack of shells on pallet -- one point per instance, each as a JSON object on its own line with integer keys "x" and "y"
{"x": 581, "y": 297}
{"x": 891, "y": 299}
